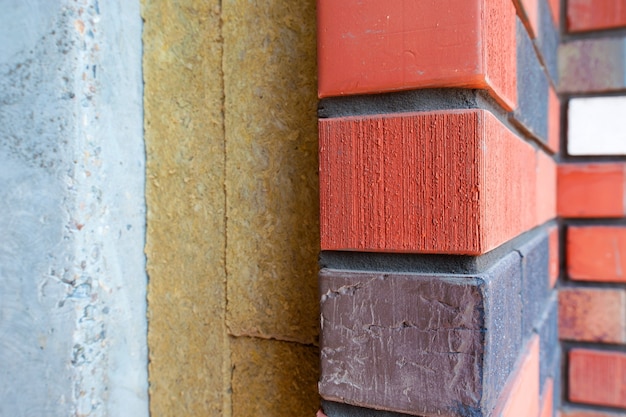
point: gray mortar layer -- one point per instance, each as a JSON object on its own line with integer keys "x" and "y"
{"x": 72, "y": 213}
{"x": 425, "y": 263}
{"x": 422, "y": 100}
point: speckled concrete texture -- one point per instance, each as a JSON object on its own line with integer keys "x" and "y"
{"x": 72, "y": 302}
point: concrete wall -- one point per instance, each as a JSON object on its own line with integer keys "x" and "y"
{"x": 233, "y": 237}
{"x": 72, "y": 303}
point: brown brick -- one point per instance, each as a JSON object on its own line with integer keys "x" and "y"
{"x": 592, "y": 315}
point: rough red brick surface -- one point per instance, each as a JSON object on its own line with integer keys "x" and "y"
{"x": 597, "y": 377}
{"x": 592, "y": 315}
{"x": 591, "y": 190}
{"x": 596, "y": 253}
{"x": 369, "y": 46}
{"x": 454, "y": 182}
{"x": 587, "y": 15}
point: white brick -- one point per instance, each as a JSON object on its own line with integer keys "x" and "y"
{"x": 597, "y": 126}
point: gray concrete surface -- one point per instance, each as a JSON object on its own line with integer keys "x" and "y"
{"x": 72, "y": 212}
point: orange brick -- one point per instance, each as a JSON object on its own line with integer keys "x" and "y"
{"x": 546, "y": 188}
{"x": 554, "y": 120}
{"x": 592, "y": 315}
{"x": 371, "y": 46}
{"x": 553, "y": 266}
{"x": 597, "y": 377}
{"x": 596, "y": 253}
{"x": 591, "y": 190}
{"x": 572, "y": 412}
{"x": 522, "y": 395}
{"x": 528, "y": 11}
{"x": 555, "y": 9}
{"x": 586, "y": 15}
{"x": 455, "y": 182}
{"x": 547, "y": 399}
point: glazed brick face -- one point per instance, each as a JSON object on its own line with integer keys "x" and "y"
{"x": 596, "y": 126}
{"x": 374, "y": 46}
{"x": 597, "y": 377}
{"x": 592, "y": 315}
{"x": 591, "y": 190}
{"x": 588, "y": 15}
{"x": 596, "y": 253}
{"x": 453, "y": 182}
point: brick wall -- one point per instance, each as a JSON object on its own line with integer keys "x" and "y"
{"x": 592, "y": 303}
{"x": 439, "y": 133}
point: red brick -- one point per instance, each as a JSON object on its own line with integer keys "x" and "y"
{"x": 546, "y": 188}
{"x": 596, "y": 253}
{"x": 547, "y": 399}
{"x": 592, "y": 315}
{"x": 591, "y": 190}
{"x": 586, "y": 15}
{"x": 528, "y": 11}
{"x": 553, "y": 266}
{"x": 371, "y": 46}
{"x": 456, "y": 182}
{"x": 521, "y": 395}
{"x": 597, "y": 377}
{"x": 555, "y": 9}
{"x": 554, "y": 120}
{"x": 572, "y": 412}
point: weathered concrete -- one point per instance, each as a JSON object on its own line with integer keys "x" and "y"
{"x": 72, "y": 304}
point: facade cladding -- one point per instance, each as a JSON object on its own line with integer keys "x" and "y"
{"x": 472, "y": 203}
{"x": 162, "y": 213}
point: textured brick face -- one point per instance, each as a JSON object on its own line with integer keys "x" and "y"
{"x": 374, "y": 46}
{"x": 422, "y": 344}
{"x": 456, "y": 182}
{"x": 597, "y": 377}
{"x": 592, "y": 315}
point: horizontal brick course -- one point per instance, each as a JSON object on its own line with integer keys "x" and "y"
{"x": 592, "y": 65}
{"x": 576, "y": 412}
{"x": 596, "y": 253}
{"x": 588, "y": 15}
{"x": 596, "y": 126}
{"x": 420, "y": 344}
{"x": 373, "y": 46}
{"x": 589, "y": 190}
{"x": 592, "y": 315}
{"x": 597, "y": 377}
{"x": 455, "y": 182}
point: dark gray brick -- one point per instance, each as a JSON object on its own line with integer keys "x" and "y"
{"x": 433, "y": 345}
